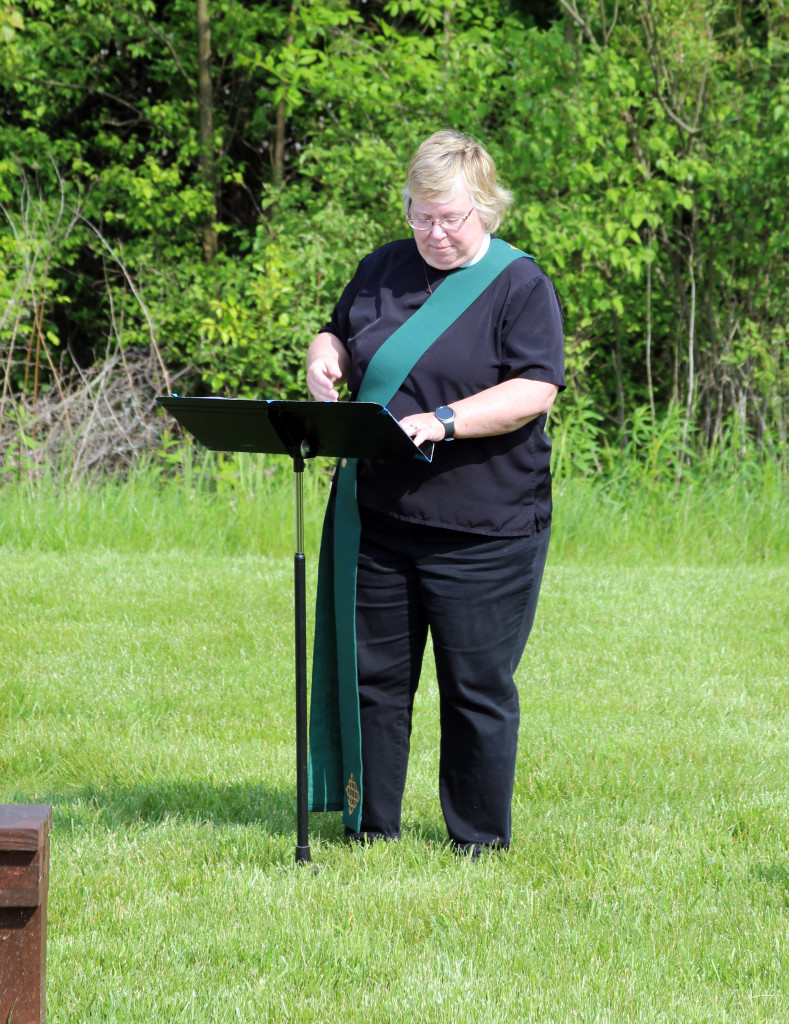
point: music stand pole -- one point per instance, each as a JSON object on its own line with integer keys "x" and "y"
{"x": 300, "y": 607}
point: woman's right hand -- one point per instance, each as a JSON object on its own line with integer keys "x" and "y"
{"x": 322, "y": 375}
{"x": 328, "y": 364}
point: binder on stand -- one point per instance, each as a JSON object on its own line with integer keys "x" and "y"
{"x": 300, "y": 430}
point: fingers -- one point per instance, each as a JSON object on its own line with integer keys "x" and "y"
{"x": 423, "y": 427}
{"x": 321, "y": 376}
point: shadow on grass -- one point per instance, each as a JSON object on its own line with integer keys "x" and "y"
{"x": 192, "y": 802}
{"x": 202, "y": 802}
{"x": 775, "y": 874}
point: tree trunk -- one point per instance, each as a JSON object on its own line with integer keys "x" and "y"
{"x": 205, "y": 91}
{"x": 278, "y": 161}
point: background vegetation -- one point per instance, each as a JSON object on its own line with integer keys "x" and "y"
{"x": 185, "y": 187}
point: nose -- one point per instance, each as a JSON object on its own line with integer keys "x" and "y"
{"x": 435, "y": 226}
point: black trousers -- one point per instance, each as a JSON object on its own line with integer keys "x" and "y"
{"x": 477, "y": 597}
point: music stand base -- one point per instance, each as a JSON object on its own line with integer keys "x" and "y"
{"x": 303, "y": 855}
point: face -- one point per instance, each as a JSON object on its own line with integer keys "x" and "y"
{"x": 446, "y": 250}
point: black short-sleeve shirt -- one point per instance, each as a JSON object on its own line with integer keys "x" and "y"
{"x": 494, "y": 486}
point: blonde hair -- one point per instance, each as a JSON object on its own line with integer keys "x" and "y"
{"x": 447, "y": 159}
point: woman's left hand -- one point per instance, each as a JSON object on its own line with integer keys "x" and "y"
{"x": 422, "y": 427}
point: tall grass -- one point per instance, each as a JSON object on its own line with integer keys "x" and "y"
{"x": 245, "y": 504}
{"x": 704, "y": 522}
{"x": 648, "y": 494}
{"x": 206, "y": 502}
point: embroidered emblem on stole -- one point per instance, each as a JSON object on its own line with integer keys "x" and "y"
{"x": 353, "y": 794}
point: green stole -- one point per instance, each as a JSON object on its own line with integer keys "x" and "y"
{"x": 335, "y": 749}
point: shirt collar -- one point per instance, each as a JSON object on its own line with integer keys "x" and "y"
{"x": 480, "y": 253}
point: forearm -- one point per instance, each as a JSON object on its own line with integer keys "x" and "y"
{"x": 502, "y": 409}
{"x": 497, "y": 410}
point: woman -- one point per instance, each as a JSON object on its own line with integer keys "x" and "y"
{"x": 456, "y": 546}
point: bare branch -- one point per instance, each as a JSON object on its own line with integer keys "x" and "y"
{"x": 124, "y": 270}
{"x": 571, "y": 7}
{"x": 660, "y": 72}
{"x": 140, "y": 13}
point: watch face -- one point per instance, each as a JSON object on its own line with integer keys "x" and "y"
{"x": 445, "y": 415}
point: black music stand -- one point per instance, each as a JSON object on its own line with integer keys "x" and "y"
{"x": 301, "y": 430}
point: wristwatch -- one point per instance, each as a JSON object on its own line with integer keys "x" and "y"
{"x": 447, "y": 417}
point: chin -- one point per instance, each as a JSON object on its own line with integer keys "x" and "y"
{"x": 444, "y": 261}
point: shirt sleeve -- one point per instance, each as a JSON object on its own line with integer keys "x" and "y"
{"x": 533, "y": 338}
{"x": 339, "y": 324}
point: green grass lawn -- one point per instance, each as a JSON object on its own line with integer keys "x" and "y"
{"x": 148, "y": 695}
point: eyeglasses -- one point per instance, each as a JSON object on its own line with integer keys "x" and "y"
{"x": 445, "y": 223}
